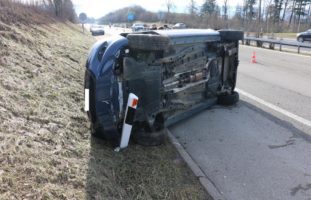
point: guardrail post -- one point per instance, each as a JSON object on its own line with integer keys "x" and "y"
{"x": 298, "y": 49}
{"x": 271, "y": 45}
{"x": 280, "y": 47}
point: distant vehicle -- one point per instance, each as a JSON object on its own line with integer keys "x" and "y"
{"x": 153, "y": 27}
{"x": 304, "y": 36}
{"x": 179, "y": 26}
{"x": 97, "y": 30}
{"x": 164, "y": 27}
{"x": 138, "y": 27}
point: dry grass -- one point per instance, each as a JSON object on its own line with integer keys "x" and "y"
{"x": 46, "y": 151}
{"x": 19, "y": 14}
{"x": 286, "y": 35}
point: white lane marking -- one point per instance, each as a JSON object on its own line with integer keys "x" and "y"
{"x": 275, "y": 108}
{"x": 294, "y": 53}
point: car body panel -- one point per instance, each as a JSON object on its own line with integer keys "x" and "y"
{"x": 304, "y": 36}
{"x": 105, "y": 85}
{"x": 97, "y": 30}
{"x": 179, "y": 26}
{"x": 138, "y": 27}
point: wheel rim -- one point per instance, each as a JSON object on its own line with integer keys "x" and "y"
{"x": 300, "y": 39}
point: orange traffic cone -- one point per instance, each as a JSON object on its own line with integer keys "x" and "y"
{"x": 254, "y": 57}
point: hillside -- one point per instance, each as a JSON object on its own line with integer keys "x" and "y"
{"x": 46, "y": 151}
{"x": 121, "y": 15}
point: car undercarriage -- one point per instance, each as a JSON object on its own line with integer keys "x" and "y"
{"x": 174, "y": 73}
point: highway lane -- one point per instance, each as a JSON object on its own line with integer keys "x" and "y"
{"x": 250, "y": 151}
{"x": 280, "y": 78}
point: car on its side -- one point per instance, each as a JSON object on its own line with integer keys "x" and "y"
{"x": 97, "y": 30}
{"x": 304, "y": 36}
{"x": 138, "y": 27}
{"x": 179, "y": 26}
{"x": 174, "y": 73}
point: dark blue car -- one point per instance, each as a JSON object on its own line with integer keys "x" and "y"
{"x": 175, "y": 74}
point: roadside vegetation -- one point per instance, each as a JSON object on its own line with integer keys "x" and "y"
{"x": 46, "y": 151}
{"x": 261, "y": 16}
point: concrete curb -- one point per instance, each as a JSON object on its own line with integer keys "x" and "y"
{"x": 204, "y": 180}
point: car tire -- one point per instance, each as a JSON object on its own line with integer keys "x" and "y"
{"x": 145, "y": 138}
{"x": 228, "y": 99}
{"x": 230, "y": 35}
{"x": 148, "y": 42}
{"x": 300, "y": 39}
{"x": 98, "y": 132}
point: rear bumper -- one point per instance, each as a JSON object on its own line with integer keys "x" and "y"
{"x": 98, "y": 32}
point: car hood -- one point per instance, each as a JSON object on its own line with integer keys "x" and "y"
{"x": 302, "y": 33}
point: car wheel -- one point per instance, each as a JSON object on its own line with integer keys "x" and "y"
{"x": 146, "y": 138}
{"x": 300, "y": 39}
{"x": 228, "y": 99}
{"x": 97, "y": 131}
{"x": 148, "y": 42}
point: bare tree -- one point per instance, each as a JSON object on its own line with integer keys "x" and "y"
{"x": 58, "y": 7}
{"x": 292, "y": 13}
{"x": 192, "y": 7}
{"x": 226, "y": 12}
{"x": 259, "y": 19}
{"x": 285, "y": 9}
{"x": 268, "y": 9}
{"x": 169, "y": 5}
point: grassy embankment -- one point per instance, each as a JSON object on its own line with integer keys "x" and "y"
{"x": 46, "y": 151}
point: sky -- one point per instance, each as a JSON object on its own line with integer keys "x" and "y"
{"x": 99, "y": 8}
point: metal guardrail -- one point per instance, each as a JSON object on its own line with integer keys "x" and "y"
{"x": 273, "y": 42}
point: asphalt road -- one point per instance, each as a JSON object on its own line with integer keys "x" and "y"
{"x": 260, "y": 148}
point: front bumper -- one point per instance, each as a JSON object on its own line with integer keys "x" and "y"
{"x": 103, "y": 87}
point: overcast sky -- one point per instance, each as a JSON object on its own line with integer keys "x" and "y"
{"x": 98, "y": 8}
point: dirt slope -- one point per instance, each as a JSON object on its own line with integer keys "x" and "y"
{"x": 46, "y": 151}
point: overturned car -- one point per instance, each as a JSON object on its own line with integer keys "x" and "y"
{"x": 175, "y": 73}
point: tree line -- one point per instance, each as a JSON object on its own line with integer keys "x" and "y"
{"x": 63, "y": 9}
{"x": 252, "y": 15}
